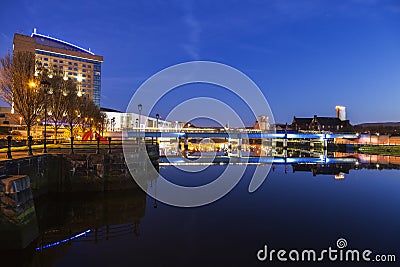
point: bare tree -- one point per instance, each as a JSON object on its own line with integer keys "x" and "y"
{"x": 90, "y": 112}
{"x": 57, "y": 100}
{"x": 20, "y": 87}
{"x": 101, "y": 122}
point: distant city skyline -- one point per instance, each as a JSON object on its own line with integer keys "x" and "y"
{"x": 307, "y": 57}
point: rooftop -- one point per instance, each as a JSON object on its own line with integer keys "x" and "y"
{"x": 54, "y": 42}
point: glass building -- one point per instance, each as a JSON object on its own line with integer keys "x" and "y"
{"x": 76, "y": 63}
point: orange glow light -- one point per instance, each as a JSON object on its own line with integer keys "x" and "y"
{"x": 32, "y": 84}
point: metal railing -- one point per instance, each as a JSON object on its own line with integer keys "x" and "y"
{"x": 30, "y": 146}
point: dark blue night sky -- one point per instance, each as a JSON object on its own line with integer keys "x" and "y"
{"x": 306, "y": 56}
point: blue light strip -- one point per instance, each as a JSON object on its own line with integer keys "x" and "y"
{"x": 63, "y": 241}
{"x": 61, "y": 41}
{"x": 194, "y": 134}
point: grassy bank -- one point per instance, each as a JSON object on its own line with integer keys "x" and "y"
{"x": 381, "y": 150}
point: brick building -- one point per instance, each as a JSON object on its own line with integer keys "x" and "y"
{"x": 316, "y": 123}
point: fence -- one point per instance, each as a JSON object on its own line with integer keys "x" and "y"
{"x": 10, "y": 147}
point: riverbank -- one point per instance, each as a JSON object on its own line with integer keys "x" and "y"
{"x": 61, "y": 171}
{"x": 387, "y": 150}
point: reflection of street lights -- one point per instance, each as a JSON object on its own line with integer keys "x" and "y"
{"x": 155, "y": 196}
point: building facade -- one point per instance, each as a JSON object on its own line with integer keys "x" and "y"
{"x": 76, "y": 63}
{"x": 319, "y": 124}
{"x": 118, "y": 121}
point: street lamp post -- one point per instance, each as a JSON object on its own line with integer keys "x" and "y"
{"x": 140, "y": 115}
{"x": 45, "y": 85}
{"x": 157, "y": 117}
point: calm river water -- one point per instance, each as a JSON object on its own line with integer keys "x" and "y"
{"x": 294, "y": 209}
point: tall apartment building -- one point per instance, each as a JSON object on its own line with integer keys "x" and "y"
{"x": 77, "y": 63}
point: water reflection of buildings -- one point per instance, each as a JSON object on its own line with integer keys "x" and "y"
{"x": 337, "y": 170}
{"x": 62, "y": 219}
{"x": 367, "y": 161}
{"x": 67, "y": 219}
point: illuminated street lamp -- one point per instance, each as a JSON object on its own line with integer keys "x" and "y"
{"x": 140, "y": 113}
{"x": 32, "y": 85}
{"x": 79, "y": 79}
{"x": 157, "y": 117}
